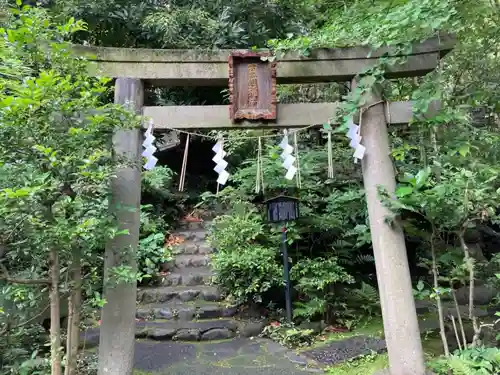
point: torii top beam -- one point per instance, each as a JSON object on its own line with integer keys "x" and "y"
{"x": 163, "y": 67}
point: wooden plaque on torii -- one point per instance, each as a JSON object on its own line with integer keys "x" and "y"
{"x": 252, "y": 87}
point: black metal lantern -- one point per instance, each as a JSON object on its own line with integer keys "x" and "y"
{"x": 282, "y": 209}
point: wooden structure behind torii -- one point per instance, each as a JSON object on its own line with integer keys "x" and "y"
{"x": 135, "y": 68}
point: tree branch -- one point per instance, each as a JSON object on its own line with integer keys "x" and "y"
{"x": 5, "y": 276}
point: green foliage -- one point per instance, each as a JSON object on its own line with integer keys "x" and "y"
{"x": 316, "y": 279}
{"x": 55, "y": 166}
{"x": 473, "y": 361}
{"x": 288, "y": 335}
{"x": 244, "y": 268}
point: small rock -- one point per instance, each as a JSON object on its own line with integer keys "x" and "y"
{"x": 149, "y": 296}
{"x": 164, "y": 296}
{"x": 228, "y": 312}
{"x": 165, "y": 314}
{"x": 162, "y": 333}
{"x": 424, "y": 306}
{"x": 142, "y": 313}
{"x": 297, "y": 359}
{"x": 483, "y": 295}
{"x": 198, "y": 262}
{"x": 141, "y": 332}
{"x": 210, "y": 295}
{"x": 187, "y": 335}
{"x": 209, "y": 312}
{"x": 251, "y": 329}
{"x": 172, "y": 280}
{"x": 217, "y": 334}
{"x": 204, "y": 249}
{"x": 317, "y": 327}
{"x": 186, "y": 313}
{"x": 167, "y": 266}
{"x": 188, "y": 295}
{"x": 188, "y": 248}
{"x": 192, "y": 280}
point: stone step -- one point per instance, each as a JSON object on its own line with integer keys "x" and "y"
{"x": 182, "y": 294}
{"x": 194, "y": 225}
{"x": 217, "y": 329}
{"x": 191, "y": 235}
{"x": 188, "y": 277}
{"x": 188, "y": 261}
{"x": 191, "y": 247}
{"x": 186, "y": 311}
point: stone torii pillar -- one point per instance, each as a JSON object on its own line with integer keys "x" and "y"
{"x": 402, "y": 334}
{"x": 117, "y": 332}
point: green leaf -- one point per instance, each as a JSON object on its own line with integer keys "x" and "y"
{"x": 464, "y": 150}
{"x": 422, "y": 177}
{"x": 403, "y": 191}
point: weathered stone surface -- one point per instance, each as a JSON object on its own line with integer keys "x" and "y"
{"x": 142, "y": 313}
{"x": 217, "y": 334}
{"x": 450, "y": 309}
{"x": 164, "y": 314}
{"x": 186, "y": 67}
{"x": 186, "y": 313}
{"x": 428, "y": 324}
{"x": 291, "y": 115}
{"x": 483, "y": 295}
{"x": 423, "y": 306}
{"x": 162, "y": 333}
{"x": 317, "y": 327}
{"x": 187, "y": 247}
{"x": 172, "y": 279}
{"x": 141, "y": 332}
{"x": 194, "y": 279}
{"x": 229, "y": 311}
{"x": 187, "y": 335}
{"x": 186, "y": 261}
{"x": 193, "y": 235}
{"x": 210, "y": 312}
{"x": 188, "y": 295}
{"x": 339, "y": 351}
{"x": 251, "y": 329}
{"x": 210, "y": 295}
{"x": 204, "y": 249}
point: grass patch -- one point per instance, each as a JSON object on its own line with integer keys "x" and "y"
{"x": 372, "y": 327}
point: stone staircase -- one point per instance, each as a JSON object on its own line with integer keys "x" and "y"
{"x": 185, "y": 306}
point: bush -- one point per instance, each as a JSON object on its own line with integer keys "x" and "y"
{"x": 470, "y": 361}
{"x": 247, "y": 272}
{"x": 152, "y": 251}
{"x": 316, "y": 280}
{"x": 244, "y": 267}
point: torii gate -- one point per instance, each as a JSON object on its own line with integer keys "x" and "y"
{"x": 200, "y": 68}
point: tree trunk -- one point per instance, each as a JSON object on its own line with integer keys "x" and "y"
{"x": 438, "y": 299}
{"x": 74, "y": 306}
{"x": 399, "y": 314}
{"x": 55, "y": 314}
{"x": 117, "y": 338}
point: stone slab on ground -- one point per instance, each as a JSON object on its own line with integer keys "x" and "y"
{"x": 339, "y": 351}
{"x": 229, "y": 357}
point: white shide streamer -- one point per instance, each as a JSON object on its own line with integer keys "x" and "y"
{"x": 288, "y": 158}
{"x": 220, "y": 163}
{"x": 149, "y": 148}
